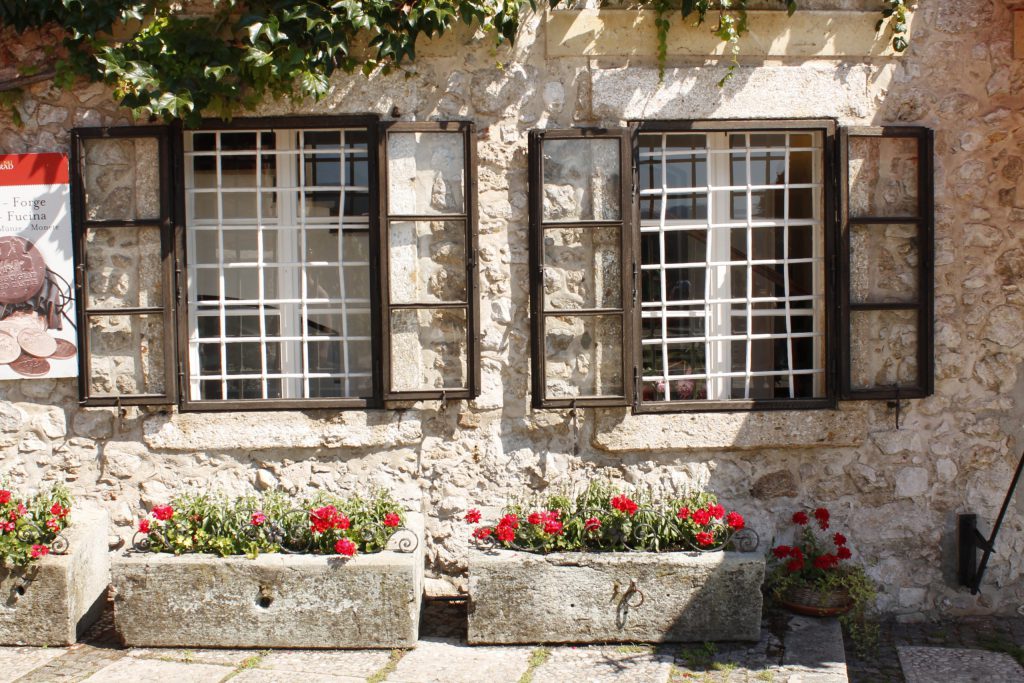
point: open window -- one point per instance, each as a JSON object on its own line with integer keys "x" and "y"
{"x": 582, "y": 288}
{"x": 886, "y": 263}
{"x": 122, "y": 216}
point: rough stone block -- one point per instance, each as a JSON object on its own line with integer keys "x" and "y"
{"x": 607, "y": 597}
{"x": 52, "y": 601}
{"x": 273, "y": 601}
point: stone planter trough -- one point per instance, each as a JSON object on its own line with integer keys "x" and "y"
{"x": 53, "y": 600}
{"x": 518, "y": 597}
{"x": 274, "y": 601}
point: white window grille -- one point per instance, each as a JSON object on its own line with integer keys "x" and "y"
{"x": 732, "y": 265}
{"x": 278, "y": 264}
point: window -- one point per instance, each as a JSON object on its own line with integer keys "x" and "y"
{"x": 744, "y": 283}
{"x": 731, "y": 265}
{"x": 278, "y": 251}
{"x": 291, "y": 250}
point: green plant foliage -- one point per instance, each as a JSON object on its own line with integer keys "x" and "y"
{"x": 603, "y": 518}
{"x": 168, "y": 60}
{"x": 206, "y": 523}
{"x": 29, "y": 524}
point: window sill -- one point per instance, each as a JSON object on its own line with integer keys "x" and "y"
{"x": 618, "y": 431}
{"x": 280, "y": 430}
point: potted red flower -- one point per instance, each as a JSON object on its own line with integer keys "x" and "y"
{"x": 815, "y": 575}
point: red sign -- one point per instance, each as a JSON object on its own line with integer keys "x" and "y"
{"x": 33, "y": 169}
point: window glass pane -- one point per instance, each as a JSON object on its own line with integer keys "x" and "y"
{"x": 126, "y": 354}
{"x": 427, "y": 260}
{"x": 883, "y": 176}
{"x": 883, "y": 349}
{"x": 762, "y": 277}
{"x": 279, "y": 311}
{"x": 124, "y": 267}
{"x": 426, "y": 173}
{"x": 582, "y": 179}
{"x": 583, "y": 356}
{"x": 883, "y": 263}
{"x": 582, "y": 268}
{"x": 121, "y": 178}
{"x": 428, "y": 349}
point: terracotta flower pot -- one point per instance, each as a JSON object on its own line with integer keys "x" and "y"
{"x": 812, "y": 602}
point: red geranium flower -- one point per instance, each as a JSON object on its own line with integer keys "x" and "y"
{"x": 144, "y": 525}
{"x": 38, "y": 551}
{"x": 53, "y": 525}
{"x": 624, "y": 503}
{"x": 684, "y": 513}
{"x": 59, "y": 511}
{"x": 795, "y": 565}
{"x": 553, "y": 527}
{"x": 505, "y": 533}
{"x": 592, "y": 524}
{"x": 717, "y": 511}
{"x": 795, "y": 552}
{"x": 839, "y": 539}
{"x": 345, "y": 547}
{"x": 163, "y": 512}
{"x": 509, "y": 520}
{"x": 826, "y": 561}
{"x": 705, "y": 538}
{"x": 17, "y": 513}
{"x": 821, "y": 514}
{"x": 535, "y": 518}
{"x": 735, "y": 520}
{"x": 843, "y": 553}
{"x": 392, "y": 519}
{"x": 258, "y": 519}
{"x": 781, "y": 551}
{"x": 701, "y": 517}
{"x": 472, "y": 516}
{"x": 800, "y": 518}
{"x": 5, "y": 496}
{"x": 482, "y": 532}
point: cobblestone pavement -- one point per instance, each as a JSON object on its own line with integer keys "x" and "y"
{"x": 988, "y": 634}
{"x": 442, "y": 657}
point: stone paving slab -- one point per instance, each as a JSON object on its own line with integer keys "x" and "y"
{"x": 605, "y": 664}
{"x": 271, "y": 676}
{"x": 958, "y": 665}
{"x": 450, "y": 661}
{"x": 16, "y": 661}
{"x": 353, "y": 663}
{"x": 814, "y": 650}
{"x": 132, "y": 670}
{"x": 230, "y": 658}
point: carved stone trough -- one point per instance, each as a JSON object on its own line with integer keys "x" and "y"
{"x": 518, "y": 597}
{"x": 53, "y": 600}
{"x": 274, "y": 601}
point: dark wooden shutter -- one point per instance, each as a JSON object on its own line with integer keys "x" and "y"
{"x": 886, "y": 263}
{"x": 581, "y": 280}
{"x": 428, "y": 271}
{"x": 122, "y": 198}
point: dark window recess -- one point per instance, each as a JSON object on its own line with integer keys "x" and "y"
{"x": 429, "y": 271}
{"x": 122, "y": 211}
{"x": 582, "y": 291}
{"x": 886, "y": 262}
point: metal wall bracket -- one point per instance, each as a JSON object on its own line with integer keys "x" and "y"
{"x": 969, "y": 540}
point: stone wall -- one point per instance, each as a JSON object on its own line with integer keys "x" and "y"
{"x": 897, "y": 492}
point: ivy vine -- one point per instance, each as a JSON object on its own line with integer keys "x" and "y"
{"x": 168, "y": 59}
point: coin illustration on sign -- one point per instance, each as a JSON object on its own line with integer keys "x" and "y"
{"x": 32, "y": 302}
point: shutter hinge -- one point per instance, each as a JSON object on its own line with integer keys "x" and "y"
{"x": 634, "y": 282}
{"x": 636, "y": 387}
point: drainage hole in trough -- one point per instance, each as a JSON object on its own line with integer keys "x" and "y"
{"x": 265, "y": 601}
{"x": 20, "y": 590}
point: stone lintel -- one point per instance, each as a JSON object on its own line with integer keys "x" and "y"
{"x": 837, "y": 34}
{"x": 518, "y": 597}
